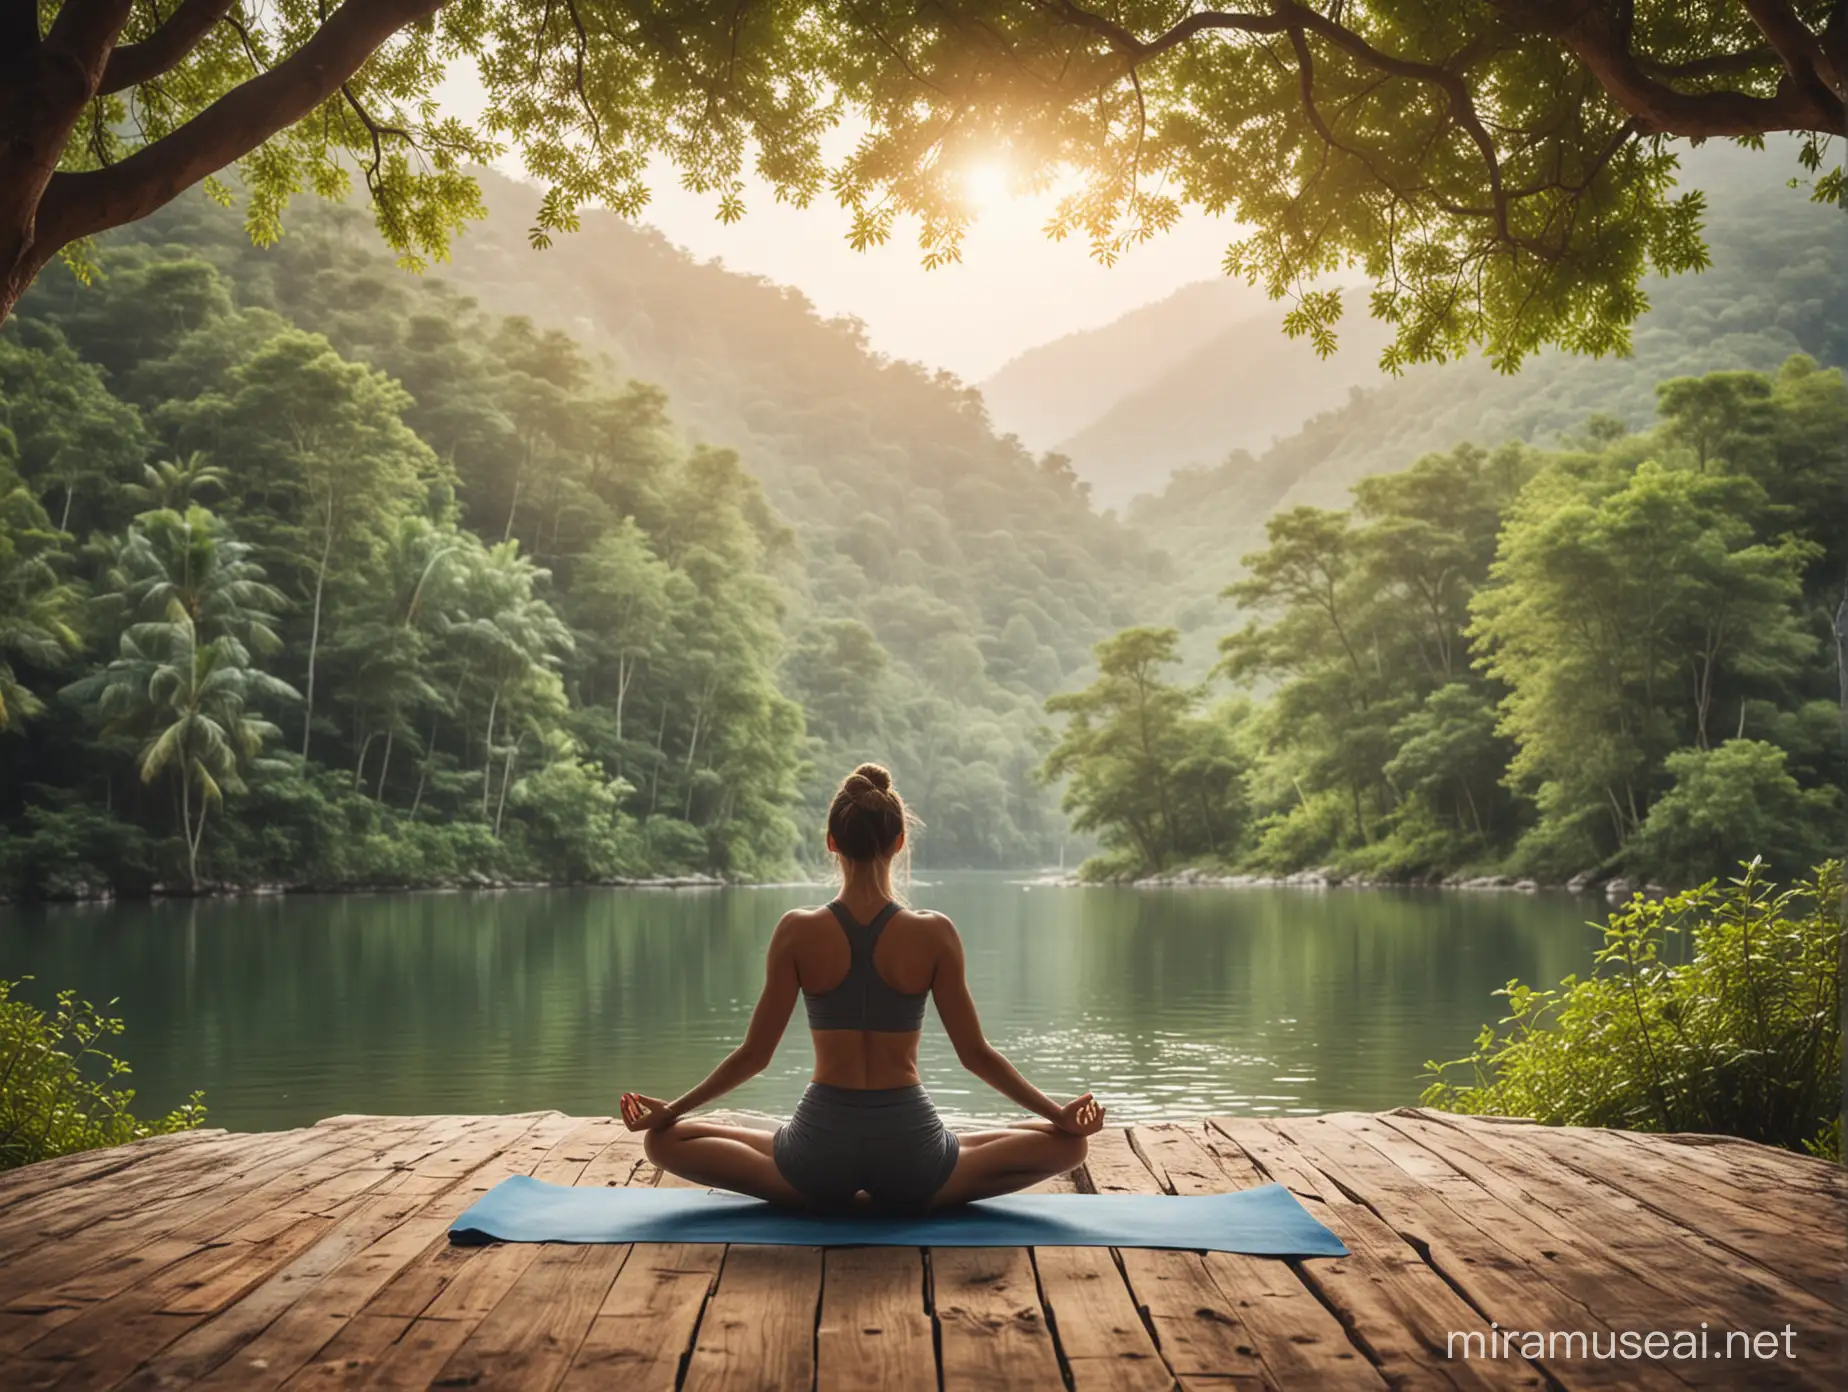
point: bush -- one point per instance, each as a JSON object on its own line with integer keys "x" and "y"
{"x": 75, "y": 852}
{"x": 57, "y": 1092}
{"x": 1738, "y": 794}
{"x": 1743, "y": 1040}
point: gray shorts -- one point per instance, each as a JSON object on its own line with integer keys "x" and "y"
{"x": 888, "y": 1141}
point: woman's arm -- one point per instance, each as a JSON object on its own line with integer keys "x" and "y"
{"x": 768, "y": 1021}
{"x": 956, "y": 1008}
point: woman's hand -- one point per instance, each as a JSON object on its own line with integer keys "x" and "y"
{"x": 1082, "y": 1116}
{"x": 643, "y": 1113}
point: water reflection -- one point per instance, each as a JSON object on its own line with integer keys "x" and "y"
{"x": 1164, "y": 1003}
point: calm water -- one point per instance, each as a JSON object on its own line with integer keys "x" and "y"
{"x": 1165, "y": 1003}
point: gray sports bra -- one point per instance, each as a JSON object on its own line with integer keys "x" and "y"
{"x": 863, "y": 1001}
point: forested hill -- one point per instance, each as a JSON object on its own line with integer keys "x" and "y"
{"x": 950, "y": 581}
{"x": 524, "y": 612}
{"x": 1774, "y": 289}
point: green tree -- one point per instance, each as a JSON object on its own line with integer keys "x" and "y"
{"x": 1124, "y": 737}
{"x": 1715, "y": 415}
{"x": 171, "y": 483}
{"x": 73, "y": 442}
{"x": 38, "y": 607}
{"x": 1738, "y": 794}
{"x": 189, "y": 700}
{"x": 1503, "y": 173}
{"x": 192, "y": 563}
{"x": 1622, "y": 603}
{"x": 350, "y": 468}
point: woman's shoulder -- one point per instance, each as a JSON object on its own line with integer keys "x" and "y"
{"x": 928, "y": 920}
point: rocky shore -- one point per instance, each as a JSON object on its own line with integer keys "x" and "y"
{"x": 473, "y": 881}
{"x": 1615, "y": 889}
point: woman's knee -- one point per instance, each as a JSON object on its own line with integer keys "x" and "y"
{"x": 1072, "y": 1150}
{"x": 657, "y": 1143}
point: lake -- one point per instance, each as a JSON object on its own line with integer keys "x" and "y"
{"x": 1166, "y": 1003}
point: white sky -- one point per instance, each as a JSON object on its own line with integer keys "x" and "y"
{"x": 1014, "y": 288}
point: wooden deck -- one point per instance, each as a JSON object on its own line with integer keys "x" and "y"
{"x": 317, "y": 1259}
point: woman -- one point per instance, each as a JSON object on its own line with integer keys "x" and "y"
{"x": 865, "y": 1124}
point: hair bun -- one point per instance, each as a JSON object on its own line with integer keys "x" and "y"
{"x": 875, "y": 775}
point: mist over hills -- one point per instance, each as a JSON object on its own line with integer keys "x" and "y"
{"x": 1779, "y": 260}
{"x": 1245, "y": 389}
{"x": 1057, "y": 389}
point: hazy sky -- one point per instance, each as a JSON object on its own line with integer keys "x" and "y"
{"x": 1014, "y": 288}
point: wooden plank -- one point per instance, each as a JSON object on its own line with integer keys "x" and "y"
{"x": 1102, "y": 1342}
{"x": 486, "y": 1273}
{"x": 643, "y": 1334}
{"x": 1682, "y": 1283}
{"x": 992, "y": 1330}
{"x": 441, "y": 1297}
{"x": 1502, "y": 1263}
{"x": 617, "y": 1164}
{"x": 875, "y": 1330}
{"x": 1197, "y": 1329}
{"x": 298, "y": 1333}
{"x": 1099, "y": 1332}
{"x": 585, "y": 1143}
{"x": 1300, "y": 1343}
{"x": 352, "y": 1357}
{"x": 1636, "y": 1235}
{"x": 529, "y": 1338}
{"x": 361, "y": 1237}
{"x": 61, "y": 1173}
{"x": 1804, "y": 1243}
{"x": 1394, "y": 1306}
{"x": 758, "y": 1334}
{"x": 52, "y": 1248}
{"x": 30, "y": 1318}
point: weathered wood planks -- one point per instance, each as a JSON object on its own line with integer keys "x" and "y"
{"x": 319, "y": 1259}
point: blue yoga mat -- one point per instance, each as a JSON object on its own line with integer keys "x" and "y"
{"x": 1266, "y": 1221}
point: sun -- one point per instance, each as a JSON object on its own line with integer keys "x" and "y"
{"x": 985, "y": 184}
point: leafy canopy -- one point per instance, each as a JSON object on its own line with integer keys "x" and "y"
{"x": 1502, "y": 173}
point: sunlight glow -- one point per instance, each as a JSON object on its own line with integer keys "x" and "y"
{"x": 985, "y": 185}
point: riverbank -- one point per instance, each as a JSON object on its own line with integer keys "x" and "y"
{"x": 1589, "y": 883}
{"x": 102, "y": 894}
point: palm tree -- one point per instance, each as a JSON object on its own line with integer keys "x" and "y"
{"x": 193, "y": 561}
{"x": 36, "y": 605}
{"x": 189, "y": 700}
{"x": 172, "y": 484}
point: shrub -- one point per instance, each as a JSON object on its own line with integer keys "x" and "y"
{"x": 57, "y": 1087}
{"x": 1743, "y": 1040}
{"x": 1738, "y": 794}
{"x": 76, "y": 852}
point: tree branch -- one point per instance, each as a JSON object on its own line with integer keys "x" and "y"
{"x": 1795, "y": 45}
{"x": 81, "y": 204}
{"x": 1593, "y": 35}
{"x": 19, "y": 27}
{"x": 165, "y": 47}
{"x": 86, "y": 30}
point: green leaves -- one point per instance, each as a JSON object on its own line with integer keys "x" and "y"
{"x": 1156, "y": 777}
{"x": 1741, "y": 1039}
{"x": 1504, "y": 175}
{"x": 59, "y": 1087}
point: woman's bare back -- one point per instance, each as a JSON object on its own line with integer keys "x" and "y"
{"x": 906, "y": 958}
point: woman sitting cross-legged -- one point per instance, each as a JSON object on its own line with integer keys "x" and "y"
{"x": 865, "y": 1126}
